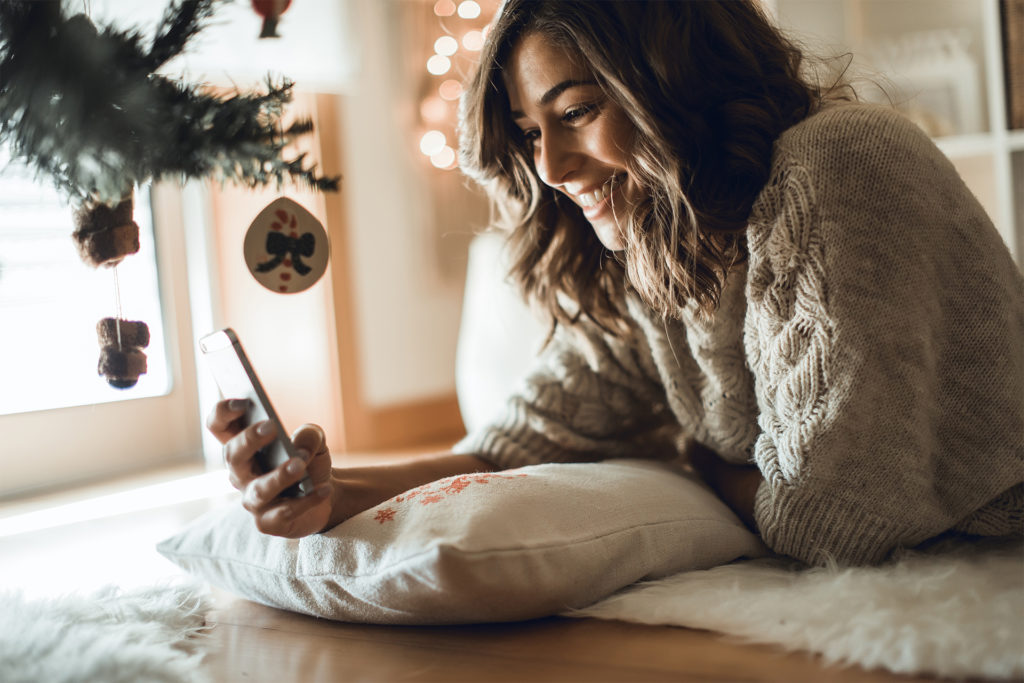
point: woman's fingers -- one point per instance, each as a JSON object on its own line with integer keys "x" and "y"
{"x": 286, "y": 517}
{"x": 225, "y": 420}
{"x": 263, "y": 491}
{"x": 311, "y": 438}
{"x": 240, "y": 452}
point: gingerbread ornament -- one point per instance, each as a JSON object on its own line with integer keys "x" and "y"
{"x": 286, "y": 247}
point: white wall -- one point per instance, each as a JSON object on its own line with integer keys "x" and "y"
{"x": 407, "y": 313}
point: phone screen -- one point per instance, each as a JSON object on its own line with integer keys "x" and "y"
{"x": 236, "y": 378}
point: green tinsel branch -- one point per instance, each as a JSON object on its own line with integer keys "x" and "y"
{"x": 85, "y": 107}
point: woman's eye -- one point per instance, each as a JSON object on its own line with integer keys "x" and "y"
{"x": 531, "y": 135}
{"x": 576, "y": 113}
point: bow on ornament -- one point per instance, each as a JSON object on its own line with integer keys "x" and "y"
{"x": 281, "y": 245}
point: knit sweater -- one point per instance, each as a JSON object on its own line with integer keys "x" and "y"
{"x": 869, "y": 357}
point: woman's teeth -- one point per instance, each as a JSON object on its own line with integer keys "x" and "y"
{"x": 589, "y": 199}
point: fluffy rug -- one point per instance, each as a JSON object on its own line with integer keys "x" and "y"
{"x": 955, "y": 611}
{"x": 148, "y": 635}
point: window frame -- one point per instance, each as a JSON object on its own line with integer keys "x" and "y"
{"x": 57, "y": 448}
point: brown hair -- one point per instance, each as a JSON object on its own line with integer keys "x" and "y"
{"x": 708, "y": 87}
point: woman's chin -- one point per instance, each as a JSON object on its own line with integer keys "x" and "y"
{"x": 609, "y": 236}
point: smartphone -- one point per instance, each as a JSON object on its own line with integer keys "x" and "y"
{"x": 236, "y": 379}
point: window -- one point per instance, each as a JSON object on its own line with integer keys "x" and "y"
{"x": 50, "y": 302}
{"x": 61, "y": 421}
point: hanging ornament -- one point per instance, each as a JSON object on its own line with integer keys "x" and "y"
{"x": 270, "y": 10}
{"x": 286, "y": 247}
{"x": 105, "y": 234}
{"x": 121, "y": 356}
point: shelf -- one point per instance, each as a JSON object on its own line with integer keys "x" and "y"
{"x": 1015, "y": 140}
{"x": 978, "y": 144}
{"x": 961, "y": 146}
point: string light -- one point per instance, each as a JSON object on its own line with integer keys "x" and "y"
{"x": 450, "y": 90}
{"x": 433, "y": 143}
{"x": 444, "y": 159}
{"x": 434, "y": 110}
{"x": 437, "y": 108}
{"x": 438, "y": 65}
{"x": 444, "y": 8}
{"x": 469, "y": 9}
{"x": 446, "y": 45}
{"x": 473, "y": 40}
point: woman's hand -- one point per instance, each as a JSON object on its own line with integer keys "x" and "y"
{"x": 339, "y": 493}
{"x": 261, "y": 492}
{"x": 736, "y": 485}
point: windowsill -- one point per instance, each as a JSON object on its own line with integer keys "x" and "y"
{"x": 154, "y": 489}
{"x": 151, "y": 489}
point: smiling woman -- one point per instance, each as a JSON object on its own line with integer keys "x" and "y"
{"x": 580, "y": 139}
{"x": 789, "y": 290}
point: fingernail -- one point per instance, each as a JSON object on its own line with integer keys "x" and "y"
{"x": 294, "y": 466}
{"x": 303, "y": 453}
{"x": 238, "y": 404}
{"x": 266, "y": 428}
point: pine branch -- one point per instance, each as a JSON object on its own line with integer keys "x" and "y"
{"x": 181, "y": 21}
{"x": 84, "y": 107}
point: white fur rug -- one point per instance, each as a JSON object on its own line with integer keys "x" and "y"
{"x": 148, "y": 635}
{"x": 958, "y": 613}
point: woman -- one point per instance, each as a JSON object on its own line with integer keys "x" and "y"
{"x": 796, "y": 290}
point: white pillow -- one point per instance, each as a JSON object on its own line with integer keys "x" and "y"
{"x": 500, "y": 546}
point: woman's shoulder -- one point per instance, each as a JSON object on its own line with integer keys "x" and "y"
{"x": 841, "y": 134}
{"x": 852, "y": 124}
{"x": 846, "y": 153}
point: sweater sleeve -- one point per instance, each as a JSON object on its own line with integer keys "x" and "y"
{"x": 884, "y": 330}
{"x": 590, "y": 397}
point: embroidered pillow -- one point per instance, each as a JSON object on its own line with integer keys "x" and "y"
{"x": 500, "y": 546}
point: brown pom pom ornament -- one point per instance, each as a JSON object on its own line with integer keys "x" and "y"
{"x": 105, "y": 234}
{"x": 121, "y": 358}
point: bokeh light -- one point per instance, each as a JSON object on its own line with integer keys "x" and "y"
{"x": 438, "y": 64}
{"x": 450, "y": 90}
{"x": 473, "y": 40}
{"x": 446, "y": 45}
{"x": 469, "y": 9}
{"x": 444, "y": 158}
{"x": 433, "y": 143}
{"x": 444, "y": 8}
{"x": 434, "y": 110}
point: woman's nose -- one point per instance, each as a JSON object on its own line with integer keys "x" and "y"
{"x": 555, "y": 159}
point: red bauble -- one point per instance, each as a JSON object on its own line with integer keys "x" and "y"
{"x": 270, "y": 10}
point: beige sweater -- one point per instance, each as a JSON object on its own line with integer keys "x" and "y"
{"x": 869, "y": 358}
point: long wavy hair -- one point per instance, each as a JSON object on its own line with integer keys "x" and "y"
{"x": 708, "y": 87}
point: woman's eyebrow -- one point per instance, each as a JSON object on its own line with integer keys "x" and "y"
{"x": 554, "y": 92}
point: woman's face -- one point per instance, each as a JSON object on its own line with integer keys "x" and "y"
{"x": 580, "y": 139}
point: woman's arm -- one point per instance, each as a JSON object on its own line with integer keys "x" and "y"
{"x": 340, "y": 493}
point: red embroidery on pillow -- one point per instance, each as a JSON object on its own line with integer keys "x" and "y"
{"x": 437, "y": 491}
{"x": 384, "y": 515}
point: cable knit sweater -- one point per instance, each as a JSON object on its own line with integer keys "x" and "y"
{"x": 869, "y": 358}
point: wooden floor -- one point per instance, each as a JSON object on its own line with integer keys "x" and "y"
{"x": 81, "y": 549}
